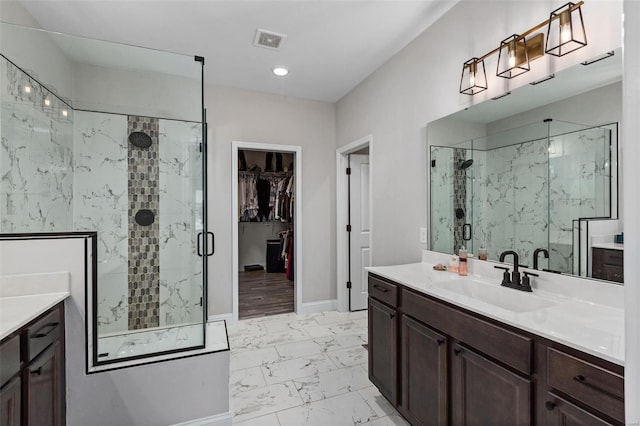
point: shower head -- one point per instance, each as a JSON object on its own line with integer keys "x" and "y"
{"x": 466, "y": 164}
{"x": 140, "y": 139}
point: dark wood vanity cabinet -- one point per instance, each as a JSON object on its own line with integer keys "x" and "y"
{"x": 485, "y": 393}
{"x": 455, "y": 367}
{"x": 383, "y": 360}
{"x": 32, "y": 389}
{"x": 424, "y": 373}
{"x": 608, "y": 264}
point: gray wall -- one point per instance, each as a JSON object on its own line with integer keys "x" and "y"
{"x": 248, "y": 116}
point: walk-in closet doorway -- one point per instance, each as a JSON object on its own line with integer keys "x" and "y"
{"x": 267, "y": 229}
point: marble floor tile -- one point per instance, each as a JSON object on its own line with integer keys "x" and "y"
{"x": 244, "y": 380}
{"x": 264, "y": 400}
{"x": 267, "y": 420}
{"x": 350, "y": 356}
{"x": 343, "y": 341}
{"x": 253, "y": 358}
{"x": 392, "y": 420}
{"x": 296, "y": 368}
{"x": 304, "y": 370}
{"x": 332, "y": 383}
{"x": 377, "y": 402}
{"x": 342, "y": 410}
{"x": 299, "y": 349}
{"x": 345, "y": 327}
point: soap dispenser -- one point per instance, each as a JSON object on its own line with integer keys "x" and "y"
{"x": 463, "y": 267}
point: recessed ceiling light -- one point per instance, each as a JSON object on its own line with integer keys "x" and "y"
{"x": 280, "y": 71}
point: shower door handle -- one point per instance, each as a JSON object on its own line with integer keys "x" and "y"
{"x": 466, "y": 232}
{"x": 213, "y": 243}
{"x": 200, "y": 240}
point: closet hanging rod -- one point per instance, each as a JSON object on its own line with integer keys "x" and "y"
{"x": 251, "y": 173}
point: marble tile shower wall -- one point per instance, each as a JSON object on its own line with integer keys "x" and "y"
{"x": 576, "y": 195}
{"x": 442, "y": 199}
{"x": 100, "y": 203}
{"x": 517, "y": 193}
{"x": 180, "y": 221}
{"x": 35, "y": 150}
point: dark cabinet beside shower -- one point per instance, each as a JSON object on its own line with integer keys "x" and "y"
{"x": 32, "y": 391}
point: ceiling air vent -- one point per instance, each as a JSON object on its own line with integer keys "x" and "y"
{"x": 269, "y": 39}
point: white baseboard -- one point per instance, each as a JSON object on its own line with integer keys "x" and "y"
{"x": 220, "y": 317}
{"x": 223, "y": 419}
{"x": 321, "y": 306}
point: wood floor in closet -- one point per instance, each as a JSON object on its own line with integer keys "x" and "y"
{"x": 262, "y": 294}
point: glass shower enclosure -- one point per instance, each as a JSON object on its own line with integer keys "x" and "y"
{"x": 524, "y": 189}
{"x": 109, "y": 138}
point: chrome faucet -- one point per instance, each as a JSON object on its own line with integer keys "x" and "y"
{"x": 536, "y": 253}
{"x": 514, "y": 281}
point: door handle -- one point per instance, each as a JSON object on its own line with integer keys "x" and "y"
{"x": 466, "y": 232}
{"x": 213, "y": 242}
{"x": 198, "y": 244}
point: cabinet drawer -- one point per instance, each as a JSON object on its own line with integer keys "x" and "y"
{"x": 612, "y": 257}
{"x": 594, "y": 386}
{"x": 10, "y": 358}
{"x": 383, "y": 291}
{"x": 508, "y": 347}
{"x": 562, "y": 412}
{"x": 43, "y": 332}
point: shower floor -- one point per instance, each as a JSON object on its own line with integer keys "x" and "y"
{"x": 161, "y": 339}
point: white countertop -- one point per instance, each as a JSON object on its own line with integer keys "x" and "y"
{"x": 16, "y": 312}
{"x": 582, "y": 324}
{"x": 610, "y": 246}
{"x": 24, "y": 297}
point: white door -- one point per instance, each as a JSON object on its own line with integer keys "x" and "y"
{"x": 360, "y": 250}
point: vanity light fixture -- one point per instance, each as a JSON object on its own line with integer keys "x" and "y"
{"x": 513, "y": 58}
{"x": 280, "y": 71}
{"x": 565, "y": 33}
{"x": 474, "y": 77}
{"x": 566, "y": 30}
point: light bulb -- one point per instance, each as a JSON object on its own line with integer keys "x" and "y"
{"x": 512, "y": 60}
{"x": 47, "y": 102}
{"x": 565, "y": 27}
{"x": 27, "y": 89}
{"x": 472, "y": 79}
{"x": 280, "y": 71}
{"x": 65, "y": 113}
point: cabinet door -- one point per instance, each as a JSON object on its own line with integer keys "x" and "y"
{"x": 10, "y": 403}
{"x": 383, "y": 349}
{"x": 43, "y": 381}
{"x": 484, "y": 393}
{"x": 563, "y": 413}
{"x": 424, "y": 374}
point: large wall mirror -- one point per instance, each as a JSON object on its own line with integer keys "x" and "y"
{"x": 536, "y": 172}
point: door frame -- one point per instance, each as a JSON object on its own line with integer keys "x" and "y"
{"x": 297, "y": 231}
{"x": 341, "y": 214}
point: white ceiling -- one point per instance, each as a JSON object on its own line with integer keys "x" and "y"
{"x": 331, "y": 45}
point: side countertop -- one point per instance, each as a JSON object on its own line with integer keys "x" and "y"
{"x": 24, "y": 297}
{"x": 583, "y": 314}
{"x": 610, "y": 246}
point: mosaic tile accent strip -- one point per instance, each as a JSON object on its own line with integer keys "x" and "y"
{"x": 144, "y": 247}
{"x": 460, "y": 197}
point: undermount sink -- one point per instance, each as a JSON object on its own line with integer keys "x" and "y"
{"x": 502, "y": 297}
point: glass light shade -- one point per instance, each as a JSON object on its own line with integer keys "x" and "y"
{"x": 513, "y": 58}
{"x": 566, "y": 31}
{"x": 474, "y": 77}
